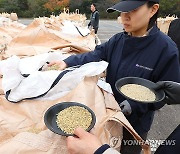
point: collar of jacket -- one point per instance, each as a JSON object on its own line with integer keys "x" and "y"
{"x": 95, "y": 11}
{"x": 146, "y": 34}
{"x": 141, "y": 42}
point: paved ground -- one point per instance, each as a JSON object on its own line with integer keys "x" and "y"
{"x": 108, "y": 28}
{"x": 167, "y": 118}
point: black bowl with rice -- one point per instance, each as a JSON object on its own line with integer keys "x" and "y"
{"x": 63, "y": 118}
{"x": 139, "y": 90}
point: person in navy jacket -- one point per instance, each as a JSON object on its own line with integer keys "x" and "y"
{"x": 142, "y": 50}
{"x": 94, "y": 19}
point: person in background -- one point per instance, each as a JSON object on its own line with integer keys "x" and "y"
{"x": 94, "y": 19}
{"x": 87, "y": 143}
{"x": 142, "y": 50}
{"x": 174, "y": 32}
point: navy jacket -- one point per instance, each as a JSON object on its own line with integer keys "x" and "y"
{"x": 94, "y": 19}
{"x": 153, "y": 57}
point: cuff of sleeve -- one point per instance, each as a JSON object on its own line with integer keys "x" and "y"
{"x": 68, "y": 61}
{"x": 133, "y": 105}
{"x": 101, "y": 149}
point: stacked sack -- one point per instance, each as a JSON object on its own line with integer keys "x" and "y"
{"x": 9, "y": 28}
{"x": 163, "y": 23}
{"x": 74, "y": 16}
{"x": 13, "y": 16}
{"x": 64, "y": 32}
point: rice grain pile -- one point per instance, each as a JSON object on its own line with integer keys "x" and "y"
{"x": 53, "y": 67}
{"x": 73, "y": 117}
{"x": 138, "y": 92}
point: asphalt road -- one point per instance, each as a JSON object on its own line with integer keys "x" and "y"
{"x": 107, "y": 28}
{"x": 167, "y": 118}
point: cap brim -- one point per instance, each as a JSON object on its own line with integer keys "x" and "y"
{"x": 126, "y": 6}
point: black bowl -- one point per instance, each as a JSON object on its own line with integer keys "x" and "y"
{"x": 160, "y": 95}
{"x": 51, "y": 116}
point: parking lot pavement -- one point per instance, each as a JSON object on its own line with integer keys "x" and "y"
{"x": 25, "y": 21}
{"x": 165, "y": 119}
{"x": 107, "y": 28}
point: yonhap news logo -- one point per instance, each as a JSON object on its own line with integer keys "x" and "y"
{"x": 154, "y": 144}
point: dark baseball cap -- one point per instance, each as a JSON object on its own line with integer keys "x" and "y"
{"x": 128, "y": 5}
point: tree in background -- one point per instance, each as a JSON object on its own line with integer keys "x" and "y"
{"x": 56, "y": 5}
{"x": 9, "y": 6}
{"x": 169, "y": 7}
{"x": 104, "y": 5}
{"x": 24, "y": 8}
{"x": 75, "y": 4}
{"x": 82, "y": 5}
{"x": 35, "y": 8}
{"x": 101, "y": 5}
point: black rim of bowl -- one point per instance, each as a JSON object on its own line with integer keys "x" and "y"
{"x": 140, "y": 81}
{"x": 53, "y": 125}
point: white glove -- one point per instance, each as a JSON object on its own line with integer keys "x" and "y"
{"x": 125, "y": 107}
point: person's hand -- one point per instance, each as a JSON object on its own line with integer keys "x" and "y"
{"x": 172, "y": 91}
{"x": 61, "y": 64}
{"x": 125, "y": 107}
{"x": 84, "y": 143}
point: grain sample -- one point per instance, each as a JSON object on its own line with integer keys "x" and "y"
{"x": 73, "y": 117}
{"x": 138, "y": 92}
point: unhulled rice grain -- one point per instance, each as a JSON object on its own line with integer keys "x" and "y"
{"x": 73, "y": 117}
{"x": 53, "y": 67}
{"x": 138, "y": 92}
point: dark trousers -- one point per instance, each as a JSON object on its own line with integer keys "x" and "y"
{"x": 95, "y": 30}
{"x": 128, "y": 146}
{"x": 174, "y": 147}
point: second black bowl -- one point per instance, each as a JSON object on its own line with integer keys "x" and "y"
{"x": 160, "y": 95}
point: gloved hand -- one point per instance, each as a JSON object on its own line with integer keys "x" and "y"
{"x": 125, "y": 107}
{"x": 172, "y": 91}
